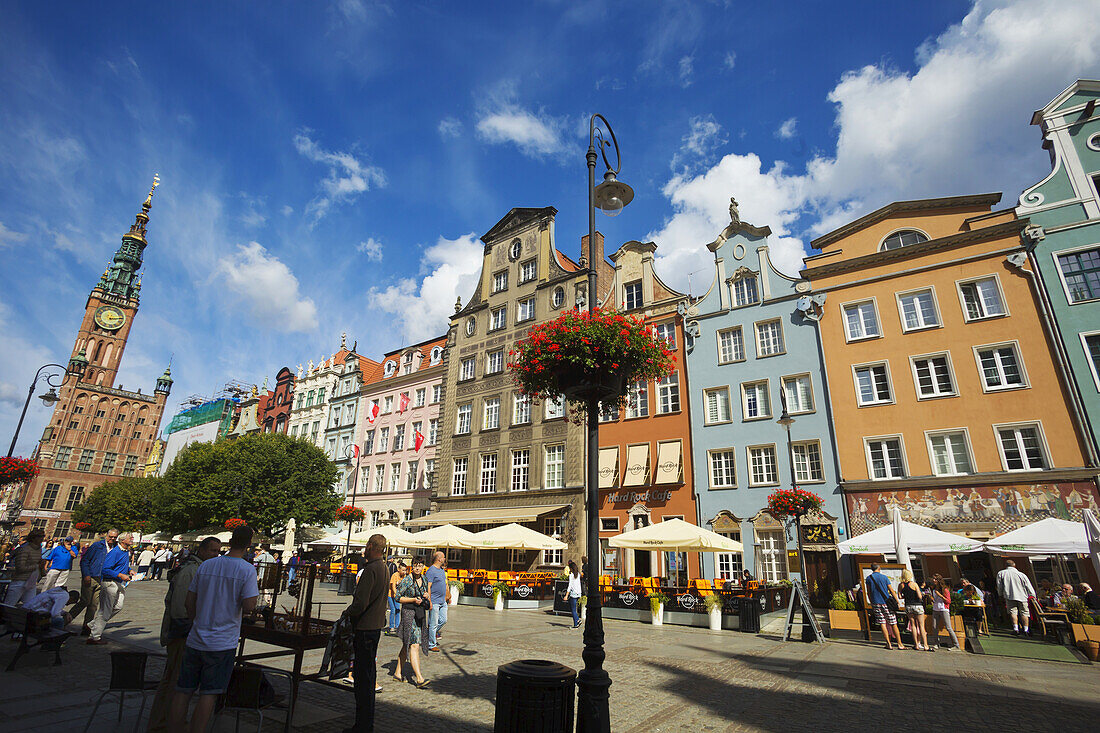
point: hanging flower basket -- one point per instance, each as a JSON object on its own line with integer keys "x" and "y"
{"x": 348, "y": 513}
{"x": 14, "y": 470}
{"x": 792, "y": 503}
{"x": 588, "y": 355}
{"x": 82, "y": 526}
{"x": 234, "y": 522}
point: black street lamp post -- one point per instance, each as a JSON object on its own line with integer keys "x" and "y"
{"x": 593, "y": 682}
{"x": 786, "y": 421}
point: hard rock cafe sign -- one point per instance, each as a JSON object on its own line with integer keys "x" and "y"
{"x": 522, "y": 590}
{"x": 633, "y": 497}
{"x": 628, "y": 598}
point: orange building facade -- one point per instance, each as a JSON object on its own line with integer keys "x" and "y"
{"x": 948, "y": 400}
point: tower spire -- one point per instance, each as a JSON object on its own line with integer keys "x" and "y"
{"x": 121, "y": 278}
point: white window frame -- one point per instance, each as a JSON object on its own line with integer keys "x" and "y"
{"x": 395, "y": 477}
{"x": 554, "y": 409}
{"x": 848, "y": 337}
{"x": 627, "y": 289}
{"x": 467, "y": 370}
{"x": 1058, "y": 268}
{"x": 732, "y": 562}
{"x": 667, "y": 332}
{"x": 420, "y": 396}
{"x": 464, "y": 461}
{"x": 717, "y": 391}
{"x": 783, "y": 386}
{"x": 741, "y": 335}
{"x": 560, "y": 463}
{"x": 383, "y": 439}
{"x": 775, "y": 464}
{"x": 1000, "y": 294}
{"x": 637, "y": 400}
{"x": 500, "y": 281}
{"x": 671, "y": 383}
{"x": 467, "y": 411}
{"x": 521, "y": 409}
{"x": 867, "y": 440}
{"x": 525, "y": 309}
{"x": 437, "y": 393}
{"x": 1044, "y": 447}
{"x": 782, "y": 340}
{"x": 494, "y": 362}
{"x": 1093, "y": 366}
{"x": 889, "y": 384}
{"x": 744, "y": 400}
{"x": 528, "y": 271}
{"x": 520, "y": 471}
{"x": 937, "y": 395}
{"x": 487, "y": 473}
{"x": 498, "y": 318}
{"x": 931, "y": 290}
{"x": 755, "y": 291}
{"x": 1015, "y": 345}
{"x": 808, "y": 477}
{"x": 929, "y": 435}
{"x": 490, "y": 413}
{"x": 711, "y": 455}
{"x": 553, "y": 527}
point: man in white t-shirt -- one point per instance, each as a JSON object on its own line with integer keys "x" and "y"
{"x": 161, "y": 561}
{"x": 145, "y": 564}
{"x": 224, "y": 588}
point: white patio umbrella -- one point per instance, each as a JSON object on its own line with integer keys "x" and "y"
{"x": 675, "y": 534}
{"x": 1048, "y": 536}
{"x": 514, "y": 536}
{"x": 900, "y": 548}
{"x": 395, "y": 536}
{"x": 1092, "y": 532}
{"x": 445, "y": 535}
{"x": 332, "y": 540}
{"x": 288, "y": 538}
{"x": 918, "y": 538}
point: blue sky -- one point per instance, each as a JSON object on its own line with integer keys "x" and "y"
{"x": 328, "y": 167}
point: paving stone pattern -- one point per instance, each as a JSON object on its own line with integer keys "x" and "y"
{"x": 664, "y": 679}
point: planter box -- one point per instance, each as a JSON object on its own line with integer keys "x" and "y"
{"x": 956, "y": 624}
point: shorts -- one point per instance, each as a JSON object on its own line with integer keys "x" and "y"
{"x": 881, "y": 614}
{"x": 914, "y": 609}
{"x": 1017, "y": 607}
{"x": 207, "y": 673}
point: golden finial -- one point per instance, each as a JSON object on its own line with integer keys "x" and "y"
{"x": 149, "y": 199}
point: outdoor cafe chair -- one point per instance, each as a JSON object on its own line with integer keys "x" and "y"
{"x": 1051, "y": 623}
{"x": 127, "y": 675}
{"x": 245, "y": 693}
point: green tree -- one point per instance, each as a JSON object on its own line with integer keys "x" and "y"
{"x": 264, "y": 478}
{"x": 127, "y": 504}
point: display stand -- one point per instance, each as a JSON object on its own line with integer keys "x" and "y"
{"x": 801, "y": 601}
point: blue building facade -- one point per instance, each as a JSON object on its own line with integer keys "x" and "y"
{"x": 756, "y": 349}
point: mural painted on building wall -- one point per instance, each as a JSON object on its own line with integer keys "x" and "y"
{"x": 1006, "y": 506}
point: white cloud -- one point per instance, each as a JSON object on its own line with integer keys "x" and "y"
{"x": 252, "y": 216}
{"x": 372, "y": 248}
{"x": 703, "y": 138}
{"x": 348, "y": 176}
{"x": 450, "y": 127}
{"x": 18, "y": 360}
{"x": 287, "y": 210}
{"x": 422, "y": 307}
{"x": 687, "y": 70}
{"x": 731, "y": 59}
{"x": 9, "y": 237}
{"x": 788, "y": 129}
{"x": 536, "y": 135}
{"x": 268, "y": 287}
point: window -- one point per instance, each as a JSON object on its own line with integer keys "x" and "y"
{"x": 116, "y": 431}
{"x": 762, "y": 466}
{"x": 500, "y": 281}
{"x": 933, "y": 375}
{"x": 458, "y": 477}
{"x": 61, "y": 529}
{"x": 755, "y": 403}
{"x": 609, "y": 411}
{"x": 294, "y": 432}
{"x": 380, "y": 477}
{"x": 772, "y": 554}
{"x": 433, "y": 431}
{"x": 406, "y": 514}
{"x": 667, "y": 333}
{"x": 552, "y": 527}
{"x": 799, "y": 394}
{"x": 668, "y": 394}
{"x": 555, "y": 408}
{"x": 637, "y": 400}
{"x": 466, "y": 371}
{"x": 861, "y": 320}
{"x": 722, "y": 474}
{"x": 554, "y": 471}
{"x": 488, "y": 473}
{"x": 417, "y": 427}
{"x": 86, "y": 458}
{"x": 100, "y": 413}
{"x": 418, "y": 399}
{"x": 73, "y": 424}
{"x": 95, "y": 428}
{"x": 429, "y": 473}
{"x": 383, "y": 440}
{"x": 515, "y": 249}
{"x": 298, "y": 403}
{"x": 769, "y": 338}
{"x": 1021, "y": 447}
{"x": 744, "y": 291}
{"x": 527, "y": 271}
{"x": 399, "y": 438}
{"x": 609, "y": 524}
{"x": 437, "y": 393}
{"x": 375, "y": 517}
{"x": 918, "y": 310}
{"x": 1081, "y": 274}
{"x": 557, "y": 298}
{"x": 76, "y": 495}
{"x": 1089, "y": 341}
{"x": 981, "y": 299}
{"x": 717, "y": 403}
{"x": 61, "y": 460}
{"x": 49, "y": 496}
{"x": 320, "y": 395}
{"x": 494, "y": 362}
{"x": 368, "y": 443}
{"x": 521, "y": 409}
{"x": 525, "y": 310}
{"x": 903, "y": 238}
{"x": 731, "y": 345}
{"x": 729, "y": 563}
{"x": 632, "y": 295}
{"x": 395, "y": 476}
{"x": 517, "y": 557}
{"x": 331, "y": 448}
{"x": 316, "y": 430}
{"x": 872, "y": 384}
{"x": 334, "y": 417}
{"x": 950, "y": 453}
{"x": 490, "y": 419}
{"x": 40, "y": 524}
{"x": 1000, "y": 367}
{"x": 462, "y": 423}
{"x": 807, "y": 461}
{"x": 521, "y": 463}
{"x": 498, "y": 318}
{"x": 129, "y": 466}
{"x": 387, "y": 405}
{"x": 885, "y": 458}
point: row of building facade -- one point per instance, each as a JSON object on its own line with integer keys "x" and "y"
{"x": 937, "y": 356}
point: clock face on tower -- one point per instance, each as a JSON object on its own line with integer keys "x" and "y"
{"x": 110, "y": 317}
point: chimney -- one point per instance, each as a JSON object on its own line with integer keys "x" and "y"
{"x": 599, "y": 249}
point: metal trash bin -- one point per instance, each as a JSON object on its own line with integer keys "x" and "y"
{"x": 748, "y": 610}
{"x": 347, "y": 584}
{"x": 535, "y": 696}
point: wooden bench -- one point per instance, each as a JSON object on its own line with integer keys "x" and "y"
{"x": 32, "y": 625}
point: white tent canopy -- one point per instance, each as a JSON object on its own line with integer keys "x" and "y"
{"x": 1092, "y": 531}
{"x": 918, "y": 538}
{"x": 395, "y": 536}
{"x": 1046, "y": 537}
{"x": 445, "y": 535}
{"x": 513, "y": 536}
{"x": 675, "y": 535}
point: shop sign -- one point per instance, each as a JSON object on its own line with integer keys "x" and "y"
{"x": 628, "y": 598}
{"x": 523, "y": 590}
{"x": 487, "y": 589}
{"x": 793, "y": 565}
{"x": 687, "y": 601}
{"x": 40, "y": 513}
{"x": 633, "y": 497}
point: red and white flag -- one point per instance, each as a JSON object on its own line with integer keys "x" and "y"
{"x": 403, "y": 402}
{"x": 372, "y": 413}
{"x": 355, "y": 451}
{"x": 418, "y": 440}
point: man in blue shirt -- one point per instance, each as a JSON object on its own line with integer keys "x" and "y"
{"x": 879, "y": 591}
{"x": 441, "y": 595}
{"x": 91, "y": 568}
{"x": 116, "y": 573}
{"x": 58, "y": 564}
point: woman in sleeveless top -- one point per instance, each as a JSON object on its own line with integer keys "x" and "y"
{"x": 914, "y": 609}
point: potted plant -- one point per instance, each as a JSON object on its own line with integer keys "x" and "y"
{"x": 657, "y": 601}
{"x": 14, "y": 470}
{"x": 457, "y": 587}
{"x": 843, "y": 615}
{"x": 234, "y": 522}
{"x": 1079, "y": 618}
{"x": 588, "y": 355}
{"x": 789, "y": 506}
{"x": 583, "y": 603}
{"x": 713, "y": 603}
{"x": 83, "y": 527}
{"x": 500, "y": 592}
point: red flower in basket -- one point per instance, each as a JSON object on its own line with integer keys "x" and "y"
{"x": 82, "y": 526}
{"x": 784, "y": 503}
{"x": 14, "y": 470}
{"x": 348, "y": 513}
{"x": 234, "y": 522}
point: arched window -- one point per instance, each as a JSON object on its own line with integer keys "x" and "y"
{"x": 902, "y": 238}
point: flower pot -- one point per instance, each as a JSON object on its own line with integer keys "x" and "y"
{"x": 658, "y": 617}
{"x": 454, "y": 597}
{"x": 498, "y": 601}
{"x": 580, "y": 385}
{"x": 584, "y": 612}
{"x": 715, "y": 619}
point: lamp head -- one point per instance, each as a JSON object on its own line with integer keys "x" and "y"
{"x": 785, "y": 419}
{"x": 50, "y": 398}
{"x": 612, "y": 195}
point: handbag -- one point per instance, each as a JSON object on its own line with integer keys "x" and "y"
{"x": 892, "y": 603}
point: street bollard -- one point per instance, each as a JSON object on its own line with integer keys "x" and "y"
{"x": 535, "y": 696}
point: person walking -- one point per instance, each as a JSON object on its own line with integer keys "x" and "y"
{"x": 395, "y": 606}
{"x": 573, "y": 592}
{"x": 27, "y": 567}
{"x": 112, "y": 587}
{"x": 223, "y": 589}
{"x": 880, "y": 592}
{"x": 436, "y": 578}
{"x": 174, "y": 628}
{"x": 145, "y": 563}
{"x": 292, "y": 567}
{"x": 367, "y": 613}
{"x": 415, "y": 600}
{"x": 161, "y": 561}
{"x": 914, "y": 609}
{"x": 1015, "y": 588}
{"x": 91, "y": 571}
{"x": 941, "y": 611}
{"x": 58, "y": 565}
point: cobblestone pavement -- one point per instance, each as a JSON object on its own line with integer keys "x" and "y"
{"x": 664, "y": 679}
